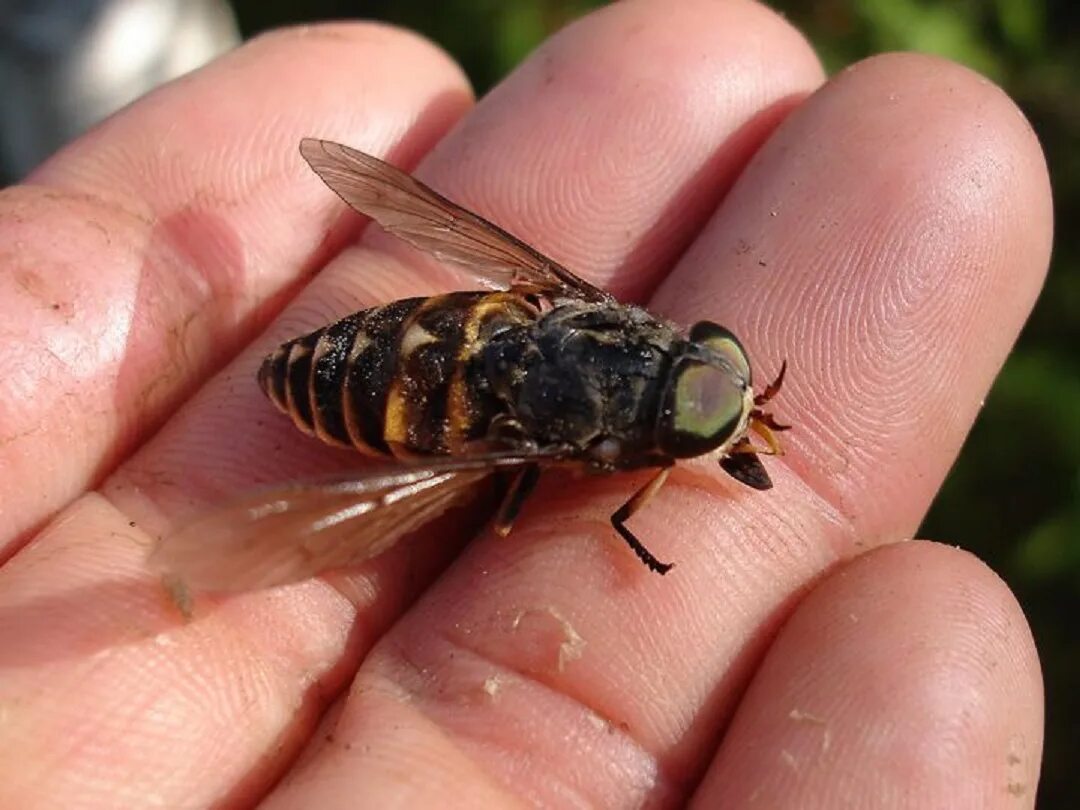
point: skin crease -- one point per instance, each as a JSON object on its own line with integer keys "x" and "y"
{"x": 887, "y": 235}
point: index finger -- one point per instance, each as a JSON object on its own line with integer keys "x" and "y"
{"x": 141, "y": 256}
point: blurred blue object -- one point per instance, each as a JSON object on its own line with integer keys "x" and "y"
{"x": 67, "y": 64}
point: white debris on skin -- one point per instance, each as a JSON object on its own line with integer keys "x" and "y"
{"x": 572, "y": 646}
{"x": 492, "y": 686}
{"x": 799, "y": 716}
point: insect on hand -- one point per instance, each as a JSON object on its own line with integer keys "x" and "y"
{"x": 549, "y": 370}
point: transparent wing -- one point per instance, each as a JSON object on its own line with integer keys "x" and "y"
{"x": 408, "y": 209}
{"x": 296, "y": 531}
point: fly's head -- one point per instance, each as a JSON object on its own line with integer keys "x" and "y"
{"x": 708, "y": 402}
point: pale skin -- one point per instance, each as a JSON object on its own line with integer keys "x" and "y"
{"x": 886, "y": 232}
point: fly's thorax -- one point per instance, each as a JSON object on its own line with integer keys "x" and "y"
{"x": 586, "y": 376}
{"x": 708, "y": 396}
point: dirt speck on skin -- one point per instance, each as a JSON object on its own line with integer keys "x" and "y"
{"x": 33, "y": 285}
{"x": 1014, "y": 758}
{"x": 179, "y": 595}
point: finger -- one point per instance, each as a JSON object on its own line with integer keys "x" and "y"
{"x": 611, "y": 80}
{"x": 908, "y": 678}
{"x": 893, "y": 269}
{"x": 559, "y": 663}
{"x": 140, "y": 257}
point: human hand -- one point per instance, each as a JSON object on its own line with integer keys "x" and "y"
{"x": 887, "y": 236}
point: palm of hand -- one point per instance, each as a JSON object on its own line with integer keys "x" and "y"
{"x": 888, "y": 236}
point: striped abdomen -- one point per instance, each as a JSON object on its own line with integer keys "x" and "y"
{"x": 393, "y": 379}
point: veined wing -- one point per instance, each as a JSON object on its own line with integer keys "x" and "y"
{"x": 408, "y": 209}
{"x": 298, "y": 530}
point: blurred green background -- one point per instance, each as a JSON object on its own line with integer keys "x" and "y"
{"x": 1014, "y": 495}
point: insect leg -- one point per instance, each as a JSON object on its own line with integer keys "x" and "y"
{"x": 762, "y": 429}
{"x": 773, "y": 388}
{"x": 769, "y": 421}
{"x": 520, "y": 488}
{"x": 629, "y": 509}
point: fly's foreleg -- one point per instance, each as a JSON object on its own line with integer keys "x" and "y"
{"x": 520, "y": 488}
{"x": 629, "y": 509}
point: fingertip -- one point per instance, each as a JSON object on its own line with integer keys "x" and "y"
{"x": 908, "y": 677}
{"x": 399, "y": 43}
{"x": 997, "y": 160}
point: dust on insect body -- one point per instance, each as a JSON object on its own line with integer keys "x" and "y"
{"x": 540, "y": 369}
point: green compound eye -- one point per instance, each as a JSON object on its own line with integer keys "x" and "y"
{"x": 721, "y": 341}
{"x": 707, "y": 396}
{"x": 708, "y": 401}
{"x": 703, "y": 407}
